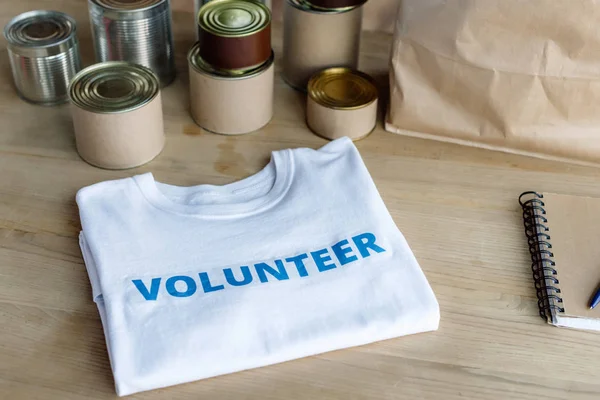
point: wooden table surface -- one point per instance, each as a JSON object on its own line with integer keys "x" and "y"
{"x": 456, "y": 206}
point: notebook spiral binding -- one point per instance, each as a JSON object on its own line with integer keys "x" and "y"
{"x": 542, "y": 258}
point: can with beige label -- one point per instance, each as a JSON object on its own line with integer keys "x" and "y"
{"x": 229, "y": 103}
{"x": 117, "y": 115}
{"x": 315, "y": 39}
{"x": 342, "y": 102}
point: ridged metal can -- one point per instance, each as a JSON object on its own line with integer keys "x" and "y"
{"x": 44, "y": 55}
{"x": 199, "y": 3}
{"x": 117, "y": 115}
{"x": 137, "y": 31}
{"x": 342, "y": 102}
{"x": 229, "y": 104}
{"x": 235, "y": 34}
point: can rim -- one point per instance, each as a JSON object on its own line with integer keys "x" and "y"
{"x": 338, "y": 9}
{"x": 303, "y": 5}
{"x": 204, "y": 68}
{"x": 157, "y": 3}
{"x": 153, "y": 89}
{"x": 40, "y": 13}
{"x": 208, "y": 7}
{"x": 318, "y": 96}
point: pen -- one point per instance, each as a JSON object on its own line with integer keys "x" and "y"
{"x": 595, "y": 300}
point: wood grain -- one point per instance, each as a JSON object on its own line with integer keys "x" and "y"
{"x": 456, "y": 206}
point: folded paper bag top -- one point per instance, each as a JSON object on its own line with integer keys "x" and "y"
{"x": 499, "y": 74}
{"x": 201, "y": 281}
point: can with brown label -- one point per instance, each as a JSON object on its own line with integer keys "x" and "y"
{"x": 199, "y": 3}
{"x": 230, "y": 104}
{"x": 316, "y": 39}
{"x": 235, "y": 34}
{"x": 44, "y": 55}
{"x": 342, "y": 102}
{"x": 117, "y": 115}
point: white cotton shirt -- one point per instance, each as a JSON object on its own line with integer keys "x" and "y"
{"x": 299, "y": 259}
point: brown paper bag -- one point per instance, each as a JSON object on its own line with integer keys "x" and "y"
{"x": 521, "y": 76}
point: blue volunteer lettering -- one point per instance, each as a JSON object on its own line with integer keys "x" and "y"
{"x": 299, "y": 263}
{"x": 151, "y": 294}
{"x": 341, "y": 252}
{"x": 322, "y": 258}
{"x": 181, "y": 286}
{"x": 234, "y": 282}
{"x": 189, "y": 282}
{"x": 263, "y": 268}
{"x": 206, "y": 285}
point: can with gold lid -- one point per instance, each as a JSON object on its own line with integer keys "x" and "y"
{"x": 316, "y": 39}
{"x": 342, "y": 102}
{"x": 44, "y": 55}
{"x": 235, "y": 34}
{"x": 338, "y": 5}
{"x": 137, "y": 31}
{"x": 230, "y": 103}
{"x": 117, "y": 115}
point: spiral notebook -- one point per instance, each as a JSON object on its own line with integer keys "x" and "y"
{"x": 563, "y": 234}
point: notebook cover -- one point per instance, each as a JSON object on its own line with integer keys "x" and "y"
{"x": 574, "y": 224}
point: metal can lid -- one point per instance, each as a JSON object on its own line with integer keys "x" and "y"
{"x": 41, "y": 33}
{"x": 234, "y": 18}
{"x": 305, "y": 5}
{"x": 128, "y": 5}
{"x": 113, "y": 87}
{"x": 334, "y": 5}
{"x": 342, "y": 89}
{"x": 203, "y": 67}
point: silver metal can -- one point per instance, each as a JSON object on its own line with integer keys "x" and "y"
{"x": 200, "y": 3}
{"x": 137, "y": 31}
{"x": 44, "y": 55}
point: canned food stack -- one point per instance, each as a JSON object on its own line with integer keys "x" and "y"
{"x": 232, "y": 67}
{"x": 137, "y": 31}
{"x": 319, "y": 34}
{"x": 44, "y": 55}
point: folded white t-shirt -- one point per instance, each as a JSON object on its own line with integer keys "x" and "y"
{"x": 299, "y": 259}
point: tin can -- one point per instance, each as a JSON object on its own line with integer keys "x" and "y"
{"x": 338, "y": 5}
{"x": 200, "y": 3}
{"x": 117, "y": 115}
{"x": 235, "y": 34}
{"x": 137, "y": 31}
{"x": 315, "y": 39}
{"x": 44, "y": 55}
{"x": 230, "y": 104}
{"x": 342, "y": 102}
